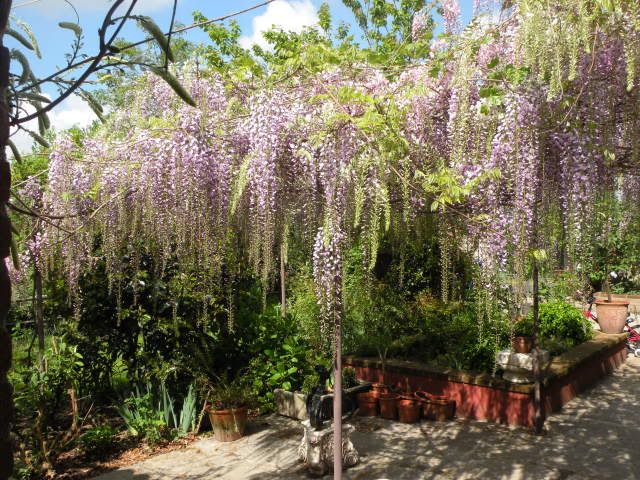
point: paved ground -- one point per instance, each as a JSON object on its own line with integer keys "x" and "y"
{"x": 596, "y": 436}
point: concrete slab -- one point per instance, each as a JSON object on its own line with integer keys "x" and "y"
{"x": 595, "y": 436}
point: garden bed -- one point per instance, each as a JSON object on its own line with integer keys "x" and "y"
{"x": 485, "y": 397}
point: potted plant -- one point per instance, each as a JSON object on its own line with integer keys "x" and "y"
{"x": 228, "y": 407}
{"x": 522, "y": 341}
{"x": 612, "y": 314}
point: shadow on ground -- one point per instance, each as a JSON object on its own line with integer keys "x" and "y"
{"x": 596, "y": 436}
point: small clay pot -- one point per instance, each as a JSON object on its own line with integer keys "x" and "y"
{"x": 522, "y": 344}
{"x": 228, "y": 425}
{"x": 408, "y": 409}
{"x": 436, "y": 407}
{"x": 367, "y": 404}
{"x": 388, "y": 405}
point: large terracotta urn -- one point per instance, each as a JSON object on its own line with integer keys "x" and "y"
{"x": 612, "y": 315}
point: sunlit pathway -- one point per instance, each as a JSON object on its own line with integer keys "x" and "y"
{"x": 596, "y": 436}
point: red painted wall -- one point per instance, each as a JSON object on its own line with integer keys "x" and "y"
{"x": 499, "y": 405}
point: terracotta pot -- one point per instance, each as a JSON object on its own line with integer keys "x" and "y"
{"x": 379, "y": 388}
{"x": 228, "y": 425}
{"x": 612, "y": 315}
{"x": 388, "y": 405}
{"x": 367, "y": 404}
{"x": 522, "y": 344}
{"x": 436, "y": 407}
{"x": 409, "y": 409}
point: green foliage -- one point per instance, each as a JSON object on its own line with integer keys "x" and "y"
{"x": 282, "y": 358}
{"x": 309, "y": 383}
{"x": 43, "y": 427}
{"x": 450, "y": 335}
{"x": 614, "y": 247}
{"x": 224, "y": 394}
{"x": 562, "y": 326}
{"x": 42, "y": 391}
{"x": 144, "y": 418}
{"x": 523, "y": 327}
{"x": 98, "y": 440}
{"x": 349, "y": 377}
{"x": 151, "y": 415}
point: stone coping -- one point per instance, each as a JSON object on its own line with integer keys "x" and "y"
{"x": 560, "y": 366}
{"x": 618, "y": 296}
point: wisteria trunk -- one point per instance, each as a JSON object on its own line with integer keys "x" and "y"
{"x": 337, "y": 404}
{"x": 6, "y": 391}
{"x": 283, "y": 290}
{"x": 538, "y": 414}
{"x": 38, "y": 310}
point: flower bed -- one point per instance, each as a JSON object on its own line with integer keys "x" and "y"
{"x": 484, "y": 397}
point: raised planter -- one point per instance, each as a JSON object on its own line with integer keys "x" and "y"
{"x": 291, "y": 404}
{"x": 484, "y": 397}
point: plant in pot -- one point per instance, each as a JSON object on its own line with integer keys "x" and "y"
{"x": 612, "y": 314}
{"x": 522, "y": 341}
{"x": 229, "y": 402}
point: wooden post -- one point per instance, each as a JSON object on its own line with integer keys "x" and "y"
{"x": 6, "y": 391}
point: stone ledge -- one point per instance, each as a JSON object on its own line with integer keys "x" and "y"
{"x": 560, "y": 366}
{"x": 570, "y": 360}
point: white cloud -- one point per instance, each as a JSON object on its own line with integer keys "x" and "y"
{"x": 290, "y": 16}
{"x": 72, "y": 112}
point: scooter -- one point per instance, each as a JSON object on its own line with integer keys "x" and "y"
{"x": 633, "y": 340}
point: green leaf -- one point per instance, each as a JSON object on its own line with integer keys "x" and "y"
{"x": 175, "y": 84}
{"x": 14, "y": 150}
{"x": 147, "y": 24}
{"x": 494, "y": 62}
{"x": 286, "y": 385}
{"x": 324, "y": 17}
{"x": 74, "y": 27}
{"x": 491, "y": 91}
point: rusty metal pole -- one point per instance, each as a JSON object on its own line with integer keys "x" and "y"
{"x": 6, "y": 391}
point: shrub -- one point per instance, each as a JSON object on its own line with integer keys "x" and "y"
{"x": 98, "y": 440}
{"x": 562, "y": 326}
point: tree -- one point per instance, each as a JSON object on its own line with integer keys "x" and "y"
{"x": 17, "y": 90}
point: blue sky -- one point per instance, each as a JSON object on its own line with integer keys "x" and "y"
{"x": 43, "y": 17}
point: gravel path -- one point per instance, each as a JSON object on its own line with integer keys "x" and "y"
{"x": 595, "y": 436}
